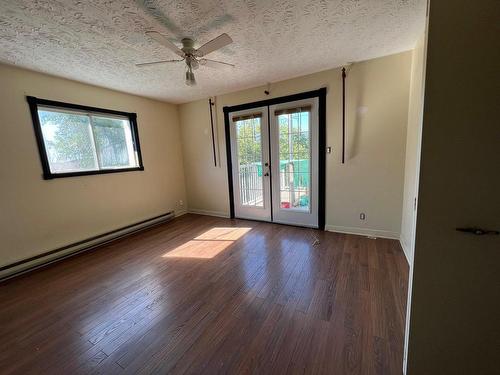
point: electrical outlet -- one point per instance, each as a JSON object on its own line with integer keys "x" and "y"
{"x": 362, "y": 216}
{"x": 181, "y": 202}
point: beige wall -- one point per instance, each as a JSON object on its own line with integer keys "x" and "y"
{"x": 38, "y": 215}
{"x": 454, "y": 325}
{"x": 413, "y": 136}
{"x": 371, "y": 181}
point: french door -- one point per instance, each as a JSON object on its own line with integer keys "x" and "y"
{"x": 274, "y": 157}
{"x": 250, "y": 154}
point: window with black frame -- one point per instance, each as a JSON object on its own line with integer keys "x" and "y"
{"x": 76, "y": 140}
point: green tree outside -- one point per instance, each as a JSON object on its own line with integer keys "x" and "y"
{"x": 70, "y": 144}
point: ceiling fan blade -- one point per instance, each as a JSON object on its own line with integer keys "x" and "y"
{"x": 215, "y": 44}
{"x": 215, "y": 63}
{"x": 165, "y": 42}
{"x": 156, "y": 62}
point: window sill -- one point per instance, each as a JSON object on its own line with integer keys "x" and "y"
{"x": 51, "y": 176}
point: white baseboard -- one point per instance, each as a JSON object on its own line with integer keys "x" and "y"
{"x": 363, "y": 231}
{"x": 208, "y": 213}
{"x": 406, "y": 250}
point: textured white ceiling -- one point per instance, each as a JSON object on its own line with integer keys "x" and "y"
{"x": 99, "y": 41}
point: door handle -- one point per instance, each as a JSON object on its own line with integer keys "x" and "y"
{"x": 266, "y": 174}
{"x": 478, "y": 231}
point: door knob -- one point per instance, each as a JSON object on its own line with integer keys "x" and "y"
{"x": 477, "y": 231}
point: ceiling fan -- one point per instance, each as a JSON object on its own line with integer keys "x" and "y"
{"x": 192, "y": 56}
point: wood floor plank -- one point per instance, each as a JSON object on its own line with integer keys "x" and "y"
{"x": 211, "y": 295}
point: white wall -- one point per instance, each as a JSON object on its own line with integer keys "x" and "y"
{"x": 413, "y": 137}
{"x": 38, "y": 215}
{"x": 371, "y": 181}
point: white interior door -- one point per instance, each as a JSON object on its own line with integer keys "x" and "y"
{"x": 294, "y": 162}
{"x": 249, "y": 134}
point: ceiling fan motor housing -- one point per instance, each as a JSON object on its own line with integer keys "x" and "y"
{"x": 189, "y": 50}
{"x": 188, "y": 46}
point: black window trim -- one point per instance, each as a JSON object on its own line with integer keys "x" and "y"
{"x": 34, "y": 102}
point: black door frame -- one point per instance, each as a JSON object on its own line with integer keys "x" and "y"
{"x": 321, "y": 95}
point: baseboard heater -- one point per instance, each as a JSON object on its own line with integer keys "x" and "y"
{"x": 29, "y": 264}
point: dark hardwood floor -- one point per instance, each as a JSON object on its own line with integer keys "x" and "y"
{"x": 192, "y": 297}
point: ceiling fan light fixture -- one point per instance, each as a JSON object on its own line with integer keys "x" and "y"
{"x": 190, "y": 80}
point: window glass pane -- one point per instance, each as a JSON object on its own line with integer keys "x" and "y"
{"x": 114, "y": 144}
{"x": 249, "y": 145}
{"x": 240, "y": 129}
{"x": 295, "y": 161}
{"x": 68, "y": 141}
{"x": 295, "y": 122}
{"x": 79, "y": 141}
{"x": 304, "y": 121}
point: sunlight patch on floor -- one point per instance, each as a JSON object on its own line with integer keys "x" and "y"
{"x": 209, "y": 244}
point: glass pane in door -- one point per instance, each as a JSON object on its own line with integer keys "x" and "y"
{"x": 249, "y": 145}
{"x": 295, "y": 160}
